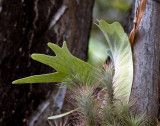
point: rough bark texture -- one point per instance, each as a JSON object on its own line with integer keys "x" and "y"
{"x": 25, "y": 28}
{"x": 146, "y": 61}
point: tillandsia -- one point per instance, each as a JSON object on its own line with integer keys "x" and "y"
{"x": 100, "y": 96}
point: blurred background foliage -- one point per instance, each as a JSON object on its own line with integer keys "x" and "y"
{"x": 110, "y": 11}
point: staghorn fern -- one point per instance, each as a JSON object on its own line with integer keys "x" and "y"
{"x": 69, "y": 67}
{"x": 101, "y": 97}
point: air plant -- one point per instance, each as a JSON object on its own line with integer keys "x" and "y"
{"x": 100, "y": 96}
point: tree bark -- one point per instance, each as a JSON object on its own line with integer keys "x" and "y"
{"x": 25, "y": 28}
{"x": 146, "y": 52}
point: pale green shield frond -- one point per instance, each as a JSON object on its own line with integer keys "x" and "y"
{"x": 121, "y": 55}
{"x": 66, "y": 65}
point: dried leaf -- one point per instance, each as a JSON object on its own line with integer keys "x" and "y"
{"x": 140, "y": 12}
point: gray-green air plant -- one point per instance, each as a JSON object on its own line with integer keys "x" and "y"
{"x": 100, "y": 97}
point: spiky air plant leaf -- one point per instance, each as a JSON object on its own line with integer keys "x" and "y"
{"x": 119, "y": 114}
{"x": 120, "y": 52}
{"x": 134, "y": 121}
{"x": 107, "y": 92}
{"x": 86, "y": 104}
{"x": 66, "y": 65}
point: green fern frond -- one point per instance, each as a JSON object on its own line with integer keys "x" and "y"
{"x": 66, "y": 65}
{"x": 121, "y": 55}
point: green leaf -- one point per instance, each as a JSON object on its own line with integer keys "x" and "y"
{"x": 44, "y": 78}
{"x": 121, "y": 53}
{"x": 66, "y": 65}
{"x": 60, "y": 115}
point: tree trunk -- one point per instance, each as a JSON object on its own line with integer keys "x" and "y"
{"x": 25, "y": 28}
{"x": 146, "y": 61}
